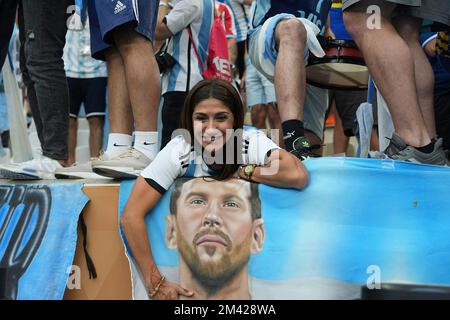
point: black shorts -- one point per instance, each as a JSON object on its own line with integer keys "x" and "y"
{"x": 347, "y": 103}
{"x": 91, "y": 92}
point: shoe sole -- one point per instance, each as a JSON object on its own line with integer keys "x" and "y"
{"x": 78, "y": 176}
{"x": 115, "y": 174}
{"x": 12, "y": 175}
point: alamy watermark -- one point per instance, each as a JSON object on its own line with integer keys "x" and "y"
{"x": 374, "y": 279}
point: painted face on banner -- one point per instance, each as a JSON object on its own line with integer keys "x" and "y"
{"x": 214, "y": 230}
{"x": 211, "y": 120}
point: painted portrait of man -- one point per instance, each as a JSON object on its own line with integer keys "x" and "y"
{"x": 216, "y": 226}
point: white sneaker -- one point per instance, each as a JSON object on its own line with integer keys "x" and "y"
{"x": 127, "y": 165}
{"x": 78, "y": 171}
{"x": 40, "y": 168}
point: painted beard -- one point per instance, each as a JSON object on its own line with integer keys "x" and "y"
{"x": 214, "y": 275}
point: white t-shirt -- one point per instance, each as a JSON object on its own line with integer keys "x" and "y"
{"x": 178, "y": 159}
{"x": 199, "y": 15}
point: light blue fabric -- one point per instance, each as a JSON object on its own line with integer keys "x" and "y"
{"x": 353, "y": 214}
{"x": 47, "y": 274}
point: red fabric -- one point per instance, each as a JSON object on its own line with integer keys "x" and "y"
{"x": 227, "y": 19}
{"x": 218, "y": 62}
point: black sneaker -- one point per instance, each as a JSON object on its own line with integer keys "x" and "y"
{"x": 303, "y": 150}
{"x": 399, "y": 150}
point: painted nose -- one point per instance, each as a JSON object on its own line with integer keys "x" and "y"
{"x": 212, "y": 217}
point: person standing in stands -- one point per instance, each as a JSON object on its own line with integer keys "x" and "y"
{"x": 42, "y": 32}
{"x": 402, "y": 74}
{"x": 122, "y": 33}
{"x": 241, "y": 22}
{"x": 174, "y": 24}
{"x": 283, "y": 35}
{"x": 441, "y": 89}
{"x": 87, "y": 80}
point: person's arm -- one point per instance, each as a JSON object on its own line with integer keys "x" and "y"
{"x": 154, "y": 181}
{"x": 232, "y": 50}
{"x": 142, "y": 199}
{"x": 178, "y": 18}
{"x": 162, "y": 31}
{"x": 283, "y": 170}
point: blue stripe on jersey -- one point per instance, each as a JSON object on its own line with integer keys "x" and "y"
{"x": 205, "y": 29}
{"x": 236, "y": 22}
{"x": 177, "y": 67}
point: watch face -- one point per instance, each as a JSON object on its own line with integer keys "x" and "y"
{"x": 248, "y": 170}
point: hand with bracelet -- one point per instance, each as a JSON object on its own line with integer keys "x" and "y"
{"x": 165, "y": 290}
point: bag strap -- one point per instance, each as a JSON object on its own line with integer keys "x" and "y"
{"x": 192, "y": 38}
{"x": 195, "y": 48}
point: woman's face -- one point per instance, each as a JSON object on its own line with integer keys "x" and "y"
{"x": 211, "y": 119}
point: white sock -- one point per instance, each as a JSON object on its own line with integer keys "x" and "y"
{"x": 146, "y": 142}
{"x": 118, "y": 143}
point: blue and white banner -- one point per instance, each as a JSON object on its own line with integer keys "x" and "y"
{"x": 38, "y": 236}
{"x": 358, "y": 222}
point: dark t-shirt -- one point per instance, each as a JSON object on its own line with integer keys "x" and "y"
{"x": 313, "y": 10}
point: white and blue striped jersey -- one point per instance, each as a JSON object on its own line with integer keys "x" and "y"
{"x": 178, "y": 159}
{"x": 314, "y": 10}
{"x": 78, "y": 62}
{"x": 199, "y": 15}
{"x": 240, "y": 18}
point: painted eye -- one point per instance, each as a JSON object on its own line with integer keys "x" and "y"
{"x": 197, "y": 202}
{"x": 231, "y": 204}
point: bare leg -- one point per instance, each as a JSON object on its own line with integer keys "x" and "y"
{"x": 391, "y": 68}
{"x": 259, "y": 113}
{"x": 340, "y": 140}
{"x": 374, "y": 141}
{"x": 95, "y": 135}
{"x": 275, "y": 122}
{"x": 142, "y": 77}
{"x": 73, "y": 129}
{"x": 120, "y": 113}
{"x": 290, "y": 79}
{"x": 409, "y": 30}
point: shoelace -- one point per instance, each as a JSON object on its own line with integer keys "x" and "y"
{"x": 131, "y": 152}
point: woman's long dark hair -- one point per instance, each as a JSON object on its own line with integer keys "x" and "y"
{"x": 229, "y": 96}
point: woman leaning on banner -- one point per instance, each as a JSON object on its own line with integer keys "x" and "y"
{"x": 211, "y": 108}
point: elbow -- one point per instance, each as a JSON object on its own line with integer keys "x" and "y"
{"x": 125, "y": 220}
{"x": 300, "y": 178}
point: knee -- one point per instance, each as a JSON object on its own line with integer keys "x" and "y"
{"x": 291, "y": 32}
{"x": 95, "y": 123}
{"x": 355, "y": 22}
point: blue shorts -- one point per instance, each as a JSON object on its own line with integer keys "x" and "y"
{"x": 105, "y": 16}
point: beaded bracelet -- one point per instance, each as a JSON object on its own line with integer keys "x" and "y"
{"x": 155, "y": 291}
